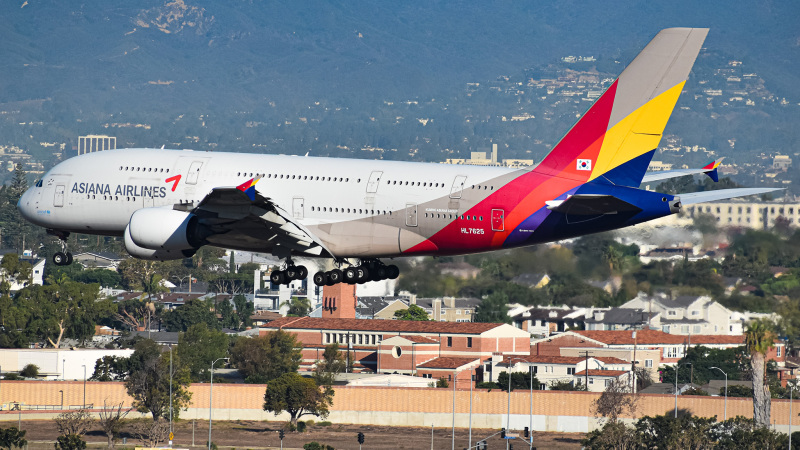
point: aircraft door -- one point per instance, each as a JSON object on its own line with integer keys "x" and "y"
{"x": 194, "y": 172}
{"x": 458, "y": 186}
{"x": 411, "y": 214}
{"x": 498, "y": 220}
{"x": 58, "y": 199}
{"x": 298, "y": 207}
{"x": 374, "y": 182}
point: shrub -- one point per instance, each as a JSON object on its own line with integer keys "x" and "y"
{"x": 301, "y": 426}
{"x": 442, "y": 383}
{"x": 314, "y": 445}
{"x": 325, "y": 423}
{"x": 487, "y": 385}
{"x": 70, "y": 442}
{"x": 30, "y": 371}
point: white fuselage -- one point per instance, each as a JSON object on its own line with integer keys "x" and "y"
{"x": 97, "y": 193}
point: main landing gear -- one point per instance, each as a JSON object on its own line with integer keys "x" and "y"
{"x": 289, "y": 274}
{"x": 367, "y": 270}
{"x": 62, "y": 258}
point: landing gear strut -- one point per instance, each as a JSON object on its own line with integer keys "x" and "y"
{"x": 64, "y": 257}
{"x": 367, "y": 270}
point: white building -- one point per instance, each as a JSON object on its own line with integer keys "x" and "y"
{"x": 687, "y": 315}
{"x": 57, "y": 363}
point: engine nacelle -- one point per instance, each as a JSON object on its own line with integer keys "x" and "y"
{"x": 164, "y": 229}
{"x": 158, "y": 255}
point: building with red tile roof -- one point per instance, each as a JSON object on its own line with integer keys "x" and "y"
{"x": 404, "y": 346}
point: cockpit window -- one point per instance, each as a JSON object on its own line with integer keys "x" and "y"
{"x": 38, "y": 183}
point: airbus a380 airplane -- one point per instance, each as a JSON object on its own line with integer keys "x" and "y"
{"x": 169, "y": 203}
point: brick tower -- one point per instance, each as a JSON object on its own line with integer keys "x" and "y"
{"x": 339, "y": 301}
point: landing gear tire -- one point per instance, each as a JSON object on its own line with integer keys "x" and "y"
{"x": 320, "y": 278}
{"x": 335, "y": 276}
{"x": 393, "y": 272}
{"x": 362, "y": 274}
{"x": 291, "y": 273}
{"x": 60, "y": 259}
{"x": 69, "y": 259}
{"x": 302, "y": 272}
{"x": 350, "y": 275}
{"x": 277, "y": 277}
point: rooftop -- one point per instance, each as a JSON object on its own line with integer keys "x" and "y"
{"x": 392, "y": 326}
{"x": 447, "y": 363}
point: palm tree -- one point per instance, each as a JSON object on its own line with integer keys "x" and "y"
{"x": 759, "y": 339}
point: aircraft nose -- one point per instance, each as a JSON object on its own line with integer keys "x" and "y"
{"x": 24, "y": 205}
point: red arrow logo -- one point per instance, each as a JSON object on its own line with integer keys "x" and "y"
{"x": 174, "y": 180}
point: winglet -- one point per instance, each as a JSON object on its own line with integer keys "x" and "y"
{"x": 711, "y": 169}
{"x": 249, "y": 187}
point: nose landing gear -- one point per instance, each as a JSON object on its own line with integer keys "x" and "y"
{"x": 64, "y": 257}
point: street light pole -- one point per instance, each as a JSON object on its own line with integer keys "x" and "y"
{"x": 455, "y": 377}
{"x": 471, "y": 381}
{"x": 726, "y": 392}
{"x": 211, "y": 399}
{"x": 677, "y": 367}
{"x": 170, "y": 393}
{"x": 530, "y": 417}
{"x": 62, "y": 398}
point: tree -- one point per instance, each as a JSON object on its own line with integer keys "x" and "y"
{"x": 192, "y": 312}
{"x": 244, "y": 309}
{"x": 111, "y": 420}
{"x": 613, "y": 436}
{"x": 519, "y": 380}
{"x": 332, "y": 364}
{"x": 759, "y": 338}
{"x": 298, "y": 307}
{"x": 264, "y": 358}
{"x": 151, "y": 433}
{"x": 413, "y": 312}
{"x": 30, "y": 371}
{"x": 687, "y": 431}
{"x": 139, "y": 274}
{"x": 297, "y": 396}
{"x": 70, "y": 442}
{"x": 75, "y": 423}
{"x": 198, "y": 347}
{"x": 12, "y": 437}
{"x": 493, "y": 308}
{"x": 111, "y": 368}
{"x": 615, "y": 401}
{"x": 136, "y": 313}
{"x": 149, "y": 381}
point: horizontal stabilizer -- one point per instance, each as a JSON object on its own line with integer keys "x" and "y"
{"x": 722, "y": 194}
{"x": 591, "y": 204}
{"x": 709, "y": 169}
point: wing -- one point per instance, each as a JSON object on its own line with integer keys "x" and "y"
{"x": 243, "y": 217}
{"x": 709, "y": 169}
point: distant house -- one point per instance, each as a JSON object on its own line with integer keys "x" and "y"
{"x": 571, "y": 369}
{"x": 448, "y": 309}
{"x": 98, "y": 260}
{"x": 687, "y": 314}
{"x": 461, "y": 270}
{"x": 620, "y": 319}
{"x": 379, "y": 307}
{"x": 532, "y": 280}
{"x": 544, "y": 321}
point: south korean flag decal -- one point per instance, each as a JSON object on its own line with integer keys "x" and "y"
{"x": 584, "y": 164}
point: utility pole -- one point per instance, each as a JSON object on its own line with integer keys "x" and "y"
{"x": 586, "y": 356}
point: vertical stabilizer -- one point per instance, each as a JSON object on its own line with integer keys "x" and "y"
{"x": 614, "y": 141}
